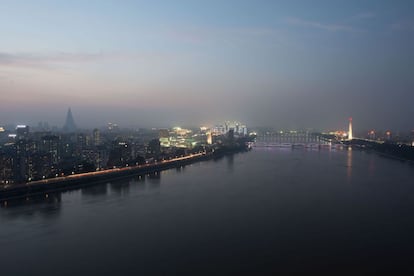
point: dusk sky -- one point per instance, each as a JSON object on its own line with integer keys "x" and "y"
{"x": 284, "y": 64}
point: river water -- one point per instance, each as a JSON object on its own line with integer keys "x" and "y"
{"x": 268, "y": 211}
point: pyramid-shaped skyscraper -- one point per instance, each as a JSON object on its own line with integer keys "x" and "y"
{"x": 70, "y": 125}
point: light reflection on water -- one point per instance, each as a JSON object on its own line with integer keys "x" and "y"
{"x": 266, "y": 211}
{"x": 349, "y": 164}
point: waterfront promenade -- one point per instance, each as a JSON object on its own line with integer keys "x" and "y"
{"x": 89, "y": 178}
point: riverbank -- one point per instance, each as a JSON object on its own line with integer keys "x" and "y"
{"x": 75, "y": 181}
{"x": 395, "y": 151}
{"x": 92, "y": 178}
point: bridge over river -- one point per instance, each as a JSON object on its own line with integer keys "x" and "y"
{"x": 293, "y": 140}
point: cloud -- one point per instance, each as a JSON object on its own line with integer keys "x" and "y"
{"x": 321, "y": 26}
{"x": 43, "y": 60}
{"x": 402, "y": 25}
{"x": 198, "y": 34}
{"x": 6, "y": 59}
{"x": 363, "y": 15}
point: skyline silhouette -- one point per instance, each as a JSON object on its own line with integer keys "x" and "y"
{"x": 277, "y": 64}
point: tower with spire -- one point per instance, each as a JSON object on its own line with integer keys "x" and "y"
{"x": 70, "y": 125}
{"x": 350, "y": 136}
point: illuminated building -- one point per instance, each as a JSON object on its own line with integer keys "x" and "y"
{"x": 25, "y": 151}
{"x": 209, "y": 138}
{"x": 154, "y": 148}
{"x": 238, "y": 128}
{"x": 7, "y": 164}
{"x": 22, "y": 131}
{"x": 96, "y": 137}
{"x": 112, "y": 127}
{"x": 163, "y": 133}
{"x": 49, "y": 144}
{"x": 81, "y": 143}
{"x": 181, "y": 132}
{"x": 219, "y": 130}
{"x": 350, "y": 136}
{"x": 178, "y": 138}
{"x": 164, "y": 137}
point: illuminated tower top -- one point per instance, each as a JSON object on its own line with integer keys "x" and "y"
{"x": 350, "y": 136}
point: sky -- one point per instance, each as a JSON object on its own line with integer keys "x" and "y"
{"x": 282, "y": 64}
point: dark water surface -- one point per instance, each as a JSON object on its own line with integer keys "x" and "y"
{"x": 268, "y": 211}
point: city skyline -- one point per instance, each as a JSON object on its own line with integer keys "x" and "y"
{"x": 109, "y": 125}
{"x": 265, "y": 63}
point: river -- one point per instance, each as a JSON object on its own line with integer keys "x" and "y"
{"x": 264, "y": 212}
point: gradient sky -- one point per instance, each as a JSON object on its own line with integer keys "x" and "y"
{"x": 285, "y": 64}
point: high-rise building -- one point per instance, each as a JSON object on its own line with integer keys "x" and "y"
{"x": 96, "y": 137}
{"x": 209, "y": 138}
{"x": 164, "y": 137}
{"x": 113, "y": 127}
{"x": 350, "y": 135}
{"x": 22, "y": 131}
{"x": 70, "y": 125}
{"x": 238, "y": 128}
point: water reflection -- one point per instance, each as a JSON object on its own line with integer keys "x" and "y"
{"x": 218, "y": 157}
{"x": 349, "y": 164}
{"x": 52, "y": 201}
{"x": 138, "y": 183}
{"x": 281, "y": 205}
{"x": 230, "y": 162}
{"x": 96, "y": 190}
{"x": 371, "y": 167}
{"x": 180, "y": 169}
{"x": 49, "y": 198}
{"x": 121, "y": 186}
{"x": 154, "y": 177}
{"x": 46, "y": 205}
{"x": 154, "y": 180}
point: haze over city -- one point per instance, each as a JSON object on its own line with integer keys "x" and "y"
{"x": 187, "y": 137}
{"x": 160, "y": 63}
